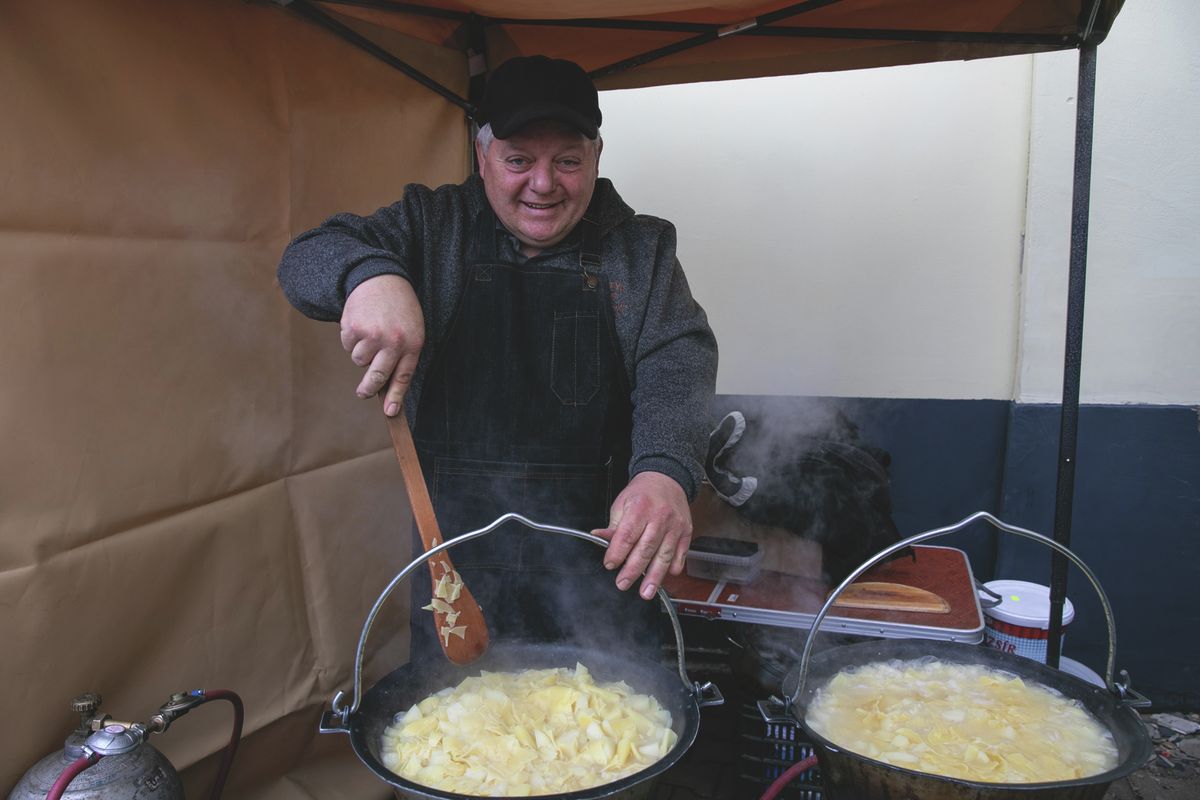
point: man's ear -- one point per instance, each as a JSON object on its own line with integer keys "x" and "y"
{"x": 479, "y": 157}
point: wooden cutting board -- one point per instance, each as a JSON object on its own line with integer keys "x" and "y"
{"x": 892, "y": 597}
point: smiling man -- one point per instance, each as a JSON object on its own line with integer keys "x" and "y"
{"x": 552, "y": 358}
{"x": 539, "y": 180}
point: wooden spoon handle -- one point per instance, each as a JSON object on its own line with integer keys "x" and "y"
{"x": 464, "y": 636}
{"x": 414, "y": 481}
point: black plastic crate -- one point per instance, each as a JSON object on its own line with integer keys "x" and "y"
{"x": 768, "y": 749}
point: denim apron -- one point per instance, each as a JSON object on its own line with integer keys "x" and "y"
{"x": 526, "y": 408}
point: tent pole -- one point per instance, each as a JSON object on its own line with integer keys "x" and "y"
{"x": 311, "y": 12}
{"x": 708, "y": 32}
{"x": 404, "y": 8}
{"x": 1050, "y": 40}
{"x": 477, "y": 68}
{"x": 710, "y": 36}
{"x": 1073, "y": 357}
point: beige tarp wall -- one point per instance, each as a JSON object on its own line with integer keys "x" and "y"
{"x": 190, "y": 494}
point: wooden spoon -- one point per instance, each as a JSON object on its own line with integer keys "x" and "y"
{"x": 463, "y": 632}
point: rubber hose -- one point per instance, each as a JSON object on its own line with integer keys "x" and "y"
{"x": 73, "y": 769}
{"x": 788, "y": 776}
{"x": 235, "y": 737}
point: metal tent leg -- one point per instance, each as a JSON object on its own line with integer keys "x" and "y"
{"x": 1069, "y": 425}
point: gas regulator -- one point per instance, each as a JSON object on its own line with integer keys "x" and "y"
{"x": 109, "y": 759}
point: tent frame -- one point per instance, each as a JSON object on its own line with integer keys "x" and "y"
{"x": 1085, "y": 40}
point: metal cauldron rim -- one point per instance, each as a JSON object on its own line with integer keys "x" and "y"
{"x": 1023, "y": 667}
{"x": 684, "y": 703}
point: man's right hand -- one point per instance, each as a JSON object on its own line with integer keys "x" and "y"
{"x": 383, "y": 329}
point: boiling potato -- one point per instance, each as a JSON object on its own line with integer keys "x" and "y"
{"x": 446, "y": 592}
{"x": 535, "y": 732}
{"x": 962, "y": 721}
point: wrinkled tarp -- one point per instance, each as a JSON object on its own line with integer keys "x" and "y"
{"x": 190, "y": 494}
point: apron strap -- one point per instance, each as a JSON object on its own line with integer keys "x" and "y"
{"x": 589, "y": 236}
{"x": 589, "y": 244}
{"x": 483, "y": 238}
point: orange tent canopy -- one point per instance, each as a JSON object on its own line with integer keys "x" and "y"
{"x": 632, "y": 43}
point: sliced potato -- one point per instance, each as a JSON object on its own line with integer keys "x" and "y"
{"x": 535, "y": 732}
{"x": 962, "y": 721}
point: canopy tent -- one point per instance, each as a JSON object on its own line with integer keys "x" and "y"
{"x": 182, "y": 506}
{"x": 633, "y": 44}
{"x": 647, "y": 44}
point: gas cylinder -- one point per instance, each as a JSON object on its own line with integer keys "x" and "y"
{"x": 131, "y": 768}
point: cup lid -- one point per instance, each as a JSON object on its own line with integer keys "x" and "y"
{"x": 1026, "y": 604}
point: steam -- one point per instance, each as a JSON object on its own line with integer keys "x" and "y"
{"x": 549, "y": 587}
{"x": 782, "y": 447}
{"x": 775, "y": 430}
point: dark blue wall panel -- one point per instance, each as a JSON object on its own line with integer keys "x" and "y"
{"x": 1135, "y": 523}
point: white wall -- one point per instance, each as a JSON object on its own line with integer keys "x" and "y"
{"x": 853, "y": 233}
{"x": 1142, "y": 312}
{"x": 861, "y": 233}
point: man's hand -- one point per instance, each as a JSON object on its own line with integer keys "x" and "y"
{"x": 649, "y": 529}
{"x": 383, "y": 329}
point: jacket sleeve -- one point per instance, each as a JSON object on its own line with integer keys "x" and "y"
{"x": 674, "y": 376}
{"x": 321, "y": 267}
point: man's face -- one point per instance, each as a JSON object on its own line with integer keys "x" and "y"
{"x": 539, "y": 182}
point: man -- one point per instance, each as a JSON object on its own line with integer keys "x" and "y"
{"x": 543, "y": 333}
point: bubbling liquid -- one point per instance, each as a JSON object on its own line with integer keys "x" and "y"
{"x": 961, "y": 721}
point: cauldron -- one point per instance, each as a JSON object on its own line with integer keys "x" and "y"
{"x": 850, "y": 776}
{"x": 370, "y": 712}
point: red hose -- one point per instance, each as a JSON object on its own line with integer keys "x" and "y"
{"x": 74, "y": 768}
{"x": 231, "y": 748}
{"x": 787, "y": 777}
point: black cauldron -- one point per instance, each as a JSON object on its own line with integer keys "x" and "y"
{"x": 365, "y": 719}
{"x": 851, "y": 776}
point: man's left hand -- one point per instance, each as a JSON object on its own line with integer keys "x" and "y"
{"x": 649, "y": 530}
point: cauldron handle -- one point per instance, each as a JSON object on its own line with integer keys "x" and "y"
{"x": 706, "y": 693}
{"x": 1121, "y": 689}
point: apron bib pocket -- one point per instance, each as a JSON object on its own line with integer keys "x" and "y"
{"x": 575, "y": 357}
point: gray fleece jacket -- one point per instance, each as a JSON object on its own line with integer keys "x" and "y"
{"x": 669, "y": 350}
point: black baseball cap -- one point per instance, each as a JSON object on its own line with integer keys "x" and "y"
{"x": 530, "y": 88}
